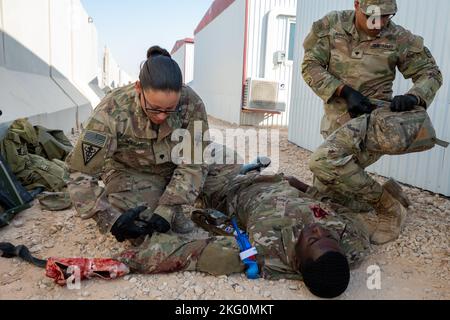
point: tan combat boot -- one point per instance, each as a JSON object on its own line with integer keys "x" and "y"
{"x": 391, "y": 217}
{"x": 395, "y": 189}
{"x": 369, "y": 222}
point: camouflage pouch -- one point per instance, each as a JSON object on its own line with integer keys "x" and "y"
{"x": 212, "y": 221}
{"x": 395, "y": 133}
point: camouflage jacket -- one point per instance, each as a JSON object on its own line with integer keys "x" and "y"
{"x": 271, "y": 211}
{"x": 336, "y": 54}
{"x": 34, "y": 154}
{"x": 120, "y": 137}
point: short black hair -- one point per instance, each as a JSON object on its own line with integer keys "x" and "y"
{"x": 160, "y": 71}
{"x": 327, "y": 277}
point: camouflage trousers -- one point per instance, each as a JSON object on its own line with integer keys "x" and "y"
{"x": 339, "y": 163}
{"x": 127, "y": 190}
{"x": 123, "y": 190}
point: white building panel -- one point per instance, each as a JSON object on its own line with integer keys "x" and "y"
{"x": 269, "y": 31}
{"x": 183, "y": 54}
{"x": 218, "y": 64}
{"x": 2, "y": 56}
{"x": 430, "y": 19}
{"x": 179, "y": 56}
{"x": 60, "y": 32}
{"x": 37, "y": 78}
{"x": 189, "y": 62}
{"x": 84, "y": 63}
{"x": 26, "y": 89}
{"x": 26, "y": 24}
{"x": 61, "y": 51}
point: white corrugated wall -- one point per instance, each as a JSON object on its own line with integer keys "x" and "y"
{"x": 257, "y": 49}
{"x": 430, "y": 19}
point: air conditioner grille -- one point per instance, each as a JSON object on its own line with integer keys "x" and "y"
{"x": 263, "y": 95}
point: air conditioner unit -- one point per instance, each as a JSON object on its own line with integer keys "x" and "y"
{"x": 262, "y": 95}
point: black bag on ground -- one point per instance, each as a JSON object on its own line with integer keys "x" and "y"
{"x": 13, "y": 196}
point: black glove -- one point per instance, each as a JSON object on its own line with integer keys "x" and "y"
{"x": 158, "y": 224}
{"x": 357, "y": 104}
{"x": 404, "y": 103}
{"x": 126, "y": 227}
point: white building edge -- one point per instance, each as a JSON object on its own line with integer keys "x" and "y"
{"x": 430, "y": 19}
{"x": 183, "y": 53}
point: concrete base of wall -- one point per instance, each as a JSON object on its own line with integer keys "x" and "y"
{"x": 42, "y": 100}
{"x": 30, "y": 88}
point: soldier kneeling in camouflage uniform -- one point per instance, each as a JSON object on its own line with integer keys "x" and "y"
{"x": 296, "y": 236}
{"x": 351, "y": 61}
{"x": 128, "y": 143}
{"x": 340, "y": 161}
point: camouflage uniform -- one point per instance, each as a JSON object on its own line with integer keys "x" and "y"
{"x": 270, "y": 210}
{"x": 35, "y": 154}
{"x": 133, "y": 158}
{"x": 336, "y": 54}
{"x": 339, "y": 163}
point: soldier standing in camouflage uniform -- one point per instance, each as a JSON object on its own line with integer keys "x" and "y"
{"x": 296, "y": 236}
{"x": 128, "y": 143}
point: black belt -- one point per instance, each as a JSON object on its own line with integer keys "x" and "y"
{"x": 8, "y": 250}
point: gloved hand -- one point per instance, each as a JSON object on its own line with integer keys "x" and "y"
{"x": 357, "y": 104}
{"x": 404, "y": 103}
{"x": 126, "y": 227}
{"x": 158, "y": 224}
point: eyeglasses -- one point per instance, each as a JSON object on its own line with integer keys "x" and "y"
{"x": 148, "y": 108}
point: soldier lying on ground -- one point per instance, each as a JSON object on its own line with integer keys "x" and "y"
{"x": 128, "y": 144}
{"x": 296, "y": 236}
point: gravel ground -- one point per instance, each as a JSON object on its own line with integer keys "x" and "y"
{"x": 416, "y": 266}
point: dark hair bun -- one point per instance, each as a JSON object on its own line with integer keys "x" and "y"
{"x": 157, "y": 51}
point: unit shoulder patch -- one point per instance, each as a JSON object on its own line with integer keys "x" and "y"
{"x": 92, "y": 143}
